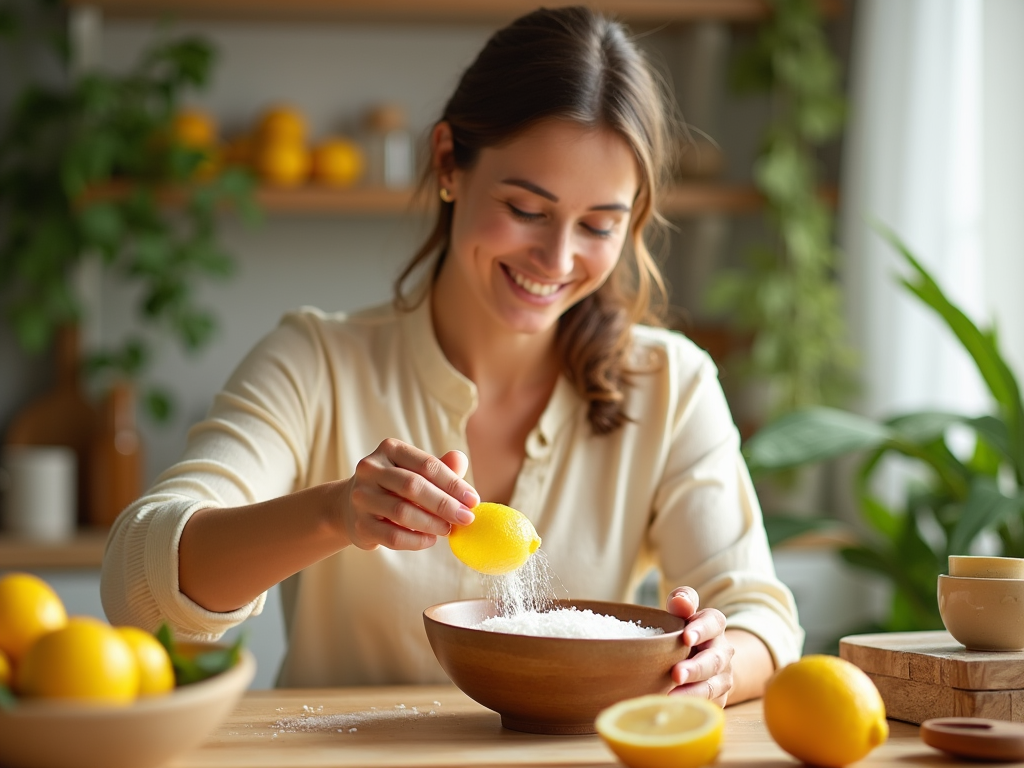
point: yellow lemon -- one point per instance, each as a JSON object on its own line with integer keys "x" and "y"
{"x": 194, "y": 129}
{"x": 282, "y": 123}
{"x": 825, "y": 711}
{"x": 282, "y": 163}
{"x": 156, "y": 674}
{"x": 499, "y": 541}
{"x": 29, "y": 608}
{"x": 87, "y": 661}
{"x": 5, "y": 670}
{"x": 338, "y": 162}
{"x": 663, "y": 731}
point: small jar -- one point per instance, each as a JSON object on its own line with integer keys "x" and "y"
{"x": 389, "y": 150}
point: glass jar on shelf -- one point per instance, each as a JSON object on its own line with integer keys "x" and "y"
{"x": 388, "y": 143}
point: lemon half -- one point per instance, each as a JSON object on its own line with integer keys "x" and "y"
{"x": 825, "y": 711}
{"x": 663, "y": 731}
{"x": 499, "y": 541}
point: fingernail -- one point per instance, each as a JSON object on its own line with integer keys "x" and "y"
{"x": 470, "y": 498}
{"x": 464, "y": 516}
{"x": 682, "y": 676}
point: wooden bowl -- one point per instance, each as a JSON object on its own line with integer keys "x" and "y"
{"x": 145, "y": 734}
{"x": 553, "y": 684}
{"x": 985, "y": 567}
{"x": 983, "y": 614}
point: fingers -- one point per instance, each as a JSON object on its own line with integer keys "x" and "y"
{"x": 458, "y": 463}
{"x": 716, "y": 689}
{"x": 683, "y": 602}
{"x": 425, "y": 481}
{"x": 703, "y": 626}
{"x": 403, "y": 498}
{"x": 708, "y": 673}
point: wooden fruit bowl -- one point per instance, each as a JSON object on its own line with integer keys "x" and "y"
{"x": 552, "y": 684}
{"x": 145, "y": 734}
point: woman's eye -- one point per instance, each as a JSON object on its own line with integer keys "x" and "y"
{"x": 523, "y": 215}
{"x": 599, "y": 232}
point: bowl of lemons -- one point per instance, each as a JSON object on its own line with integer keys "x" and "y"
{"x": 79, "y": 692}
{"x": 545, "y": 665}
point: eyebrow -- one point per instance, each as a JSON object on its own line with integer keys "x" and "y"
{"x": 529, "y": 186}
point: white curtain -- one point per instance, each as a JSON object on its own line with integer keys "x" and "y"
{"x": 934, "y": 150}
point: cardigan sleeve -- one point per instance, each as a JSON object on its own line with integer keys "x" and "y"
{"x": 707, "y": 530}
{"x": 252, "y": 446}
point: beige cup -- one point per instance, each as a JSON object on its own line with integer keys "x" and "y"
{"x": 983, "y": 614}
{"x": 983, "y": 567}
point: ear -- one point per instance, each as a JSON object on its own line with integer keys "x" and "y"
{"x": 442, "y": 156}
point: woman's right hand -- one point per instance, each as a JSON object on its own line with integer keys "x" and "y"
{"x": 403, "y": 498}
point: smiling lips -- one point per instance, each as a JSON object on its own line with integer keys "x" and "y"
{"x": 532, "y": 286}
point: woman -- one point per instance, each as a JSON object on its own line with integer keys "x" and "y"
{"x": 337, "y": 453}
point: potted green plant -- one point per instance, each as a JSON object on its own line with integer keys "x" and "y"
{"x": 68, "y": 135}
{"x": 785, "y": 295}
{"x": 957, "y": 498}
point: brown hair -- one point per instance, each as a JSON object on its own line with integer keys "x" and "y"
{"x": 570, "y": 63}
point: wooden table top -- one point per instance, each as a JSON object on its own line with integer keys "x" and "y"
{"x": 439, "y": 726}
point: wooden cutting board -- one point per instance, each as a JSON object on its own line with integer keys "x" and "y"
{"x": 922, "y": 675}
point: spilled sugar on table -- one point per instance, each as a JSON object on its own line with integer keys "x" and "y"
{"x": 271, "y": 729}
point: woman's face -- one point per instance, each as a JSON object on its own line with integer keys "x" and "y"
{"x": 539, "y": 223}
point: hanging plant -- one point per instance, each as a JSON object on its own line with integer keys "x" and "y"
{"x": 70, "y": 134}
{"x": 786, "y": 294}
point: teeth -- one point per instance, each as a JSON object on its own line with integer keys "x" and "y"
{"x": 537, "y": 289}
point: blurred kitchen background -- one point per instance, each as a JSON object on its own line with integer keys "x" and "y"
{"x": 806, "y": 124}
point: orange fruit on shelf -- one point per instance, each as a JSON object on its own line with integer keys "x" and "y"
{"x": 194, "y": 129}
{"x": 338, "y": 162}
{"x": 29, "y": 608}
{"x": 156, "y": 674}
{"x": 282, "y": 163}
{"x": 86, "y": 660}
{"x": 282, "y": 123}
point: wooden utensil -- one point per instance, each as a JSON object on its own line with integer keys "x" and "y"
{"x": 975, "y": 737}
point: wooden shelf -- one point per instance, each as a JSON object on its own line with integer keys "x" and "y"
{"x": 686, "y": 199}
{"x": 655, "y": 11}
{"x": 83, "y": 551}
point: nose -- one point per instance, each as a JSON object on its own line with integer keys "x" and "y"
{"x": 554, "y": 255}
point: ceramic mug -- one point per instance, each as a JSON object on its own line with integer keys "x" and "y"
{"x": 39, "y": 484}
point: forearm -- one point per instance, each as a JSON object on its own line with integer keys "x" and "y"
{"x": 752, "y": 665}
{"x": 228, "y": 557}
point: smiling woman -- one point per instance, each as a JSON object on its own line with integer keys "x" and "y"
{"x": 524, "y": 366}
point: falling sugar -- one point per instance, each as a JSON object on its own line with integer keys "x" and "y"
{"x": 529, "y": 588}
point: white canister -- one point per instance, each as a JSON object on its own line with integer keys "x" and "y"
{"x": 39, "y": 484}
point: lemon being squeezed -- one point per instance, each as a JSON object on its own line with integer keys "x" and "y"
{"x": 500, "y": 539}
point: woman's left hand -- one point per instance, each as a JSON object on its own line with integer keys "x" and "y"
{"x": 708, "y": 670}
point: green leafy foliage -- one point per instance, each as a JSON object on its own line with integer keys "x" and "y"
{"x": 193, "y": 669}
{"x": 786, "y": 292}
{"x": 955, "y": 500}
{"x": 64, "y": 140}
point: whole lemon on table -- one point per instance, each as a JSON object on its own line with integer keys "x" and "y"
{"x": 29, "y": 608}
{"x": 156, "y": 674}
{"x": 825, "y": 711}
{"x": 662, "y": 731}
{"x": 87, "y": 660}
{"x": 500, "y": 540}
